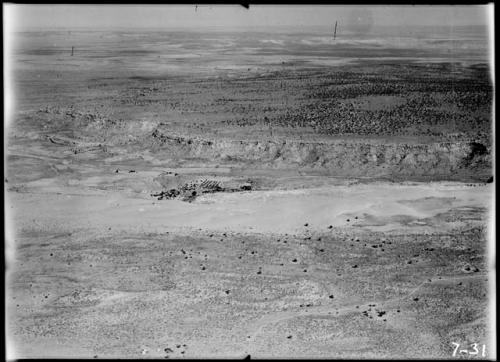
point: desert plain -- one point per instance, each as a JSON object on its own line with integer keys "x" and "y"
{"x": 184, "y": 194}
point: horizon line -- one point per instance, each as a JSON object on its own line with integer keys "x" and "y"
{"x": 219, "y": 27}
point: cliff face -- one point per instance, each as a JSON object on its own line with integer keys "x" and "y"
{"x": 451, "y": 160}
{"x": 347, "y": 158}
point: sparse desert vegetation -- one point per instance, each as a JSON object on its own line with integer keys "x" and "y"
{"x": 178, "y": 194}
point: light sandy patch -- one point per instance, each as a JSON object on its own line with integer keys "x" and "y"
{"x": 256, "y": 211}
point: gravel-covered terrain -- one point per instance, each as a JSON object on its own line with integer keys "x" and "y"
{"x": 174, "y": 195}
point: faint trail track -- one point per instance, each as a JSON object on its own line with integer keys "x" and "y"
{"x": 27, "y": 155}
{"x": 330, "y": 310}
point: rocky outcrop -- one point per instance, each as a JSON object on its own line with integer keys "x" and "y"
{"x": 350, "y": 158}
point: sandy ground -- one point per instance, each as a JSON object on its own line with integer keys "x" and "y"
{"x": 285, "y": 273}
{"x": 338, "y": 250}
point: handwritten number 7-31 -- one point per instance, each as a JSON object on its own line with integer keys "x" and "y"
{"x": 474, "y": 349}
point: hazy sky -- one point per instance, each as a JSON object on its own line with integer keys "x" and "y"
{"x": 21, "y": 16}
